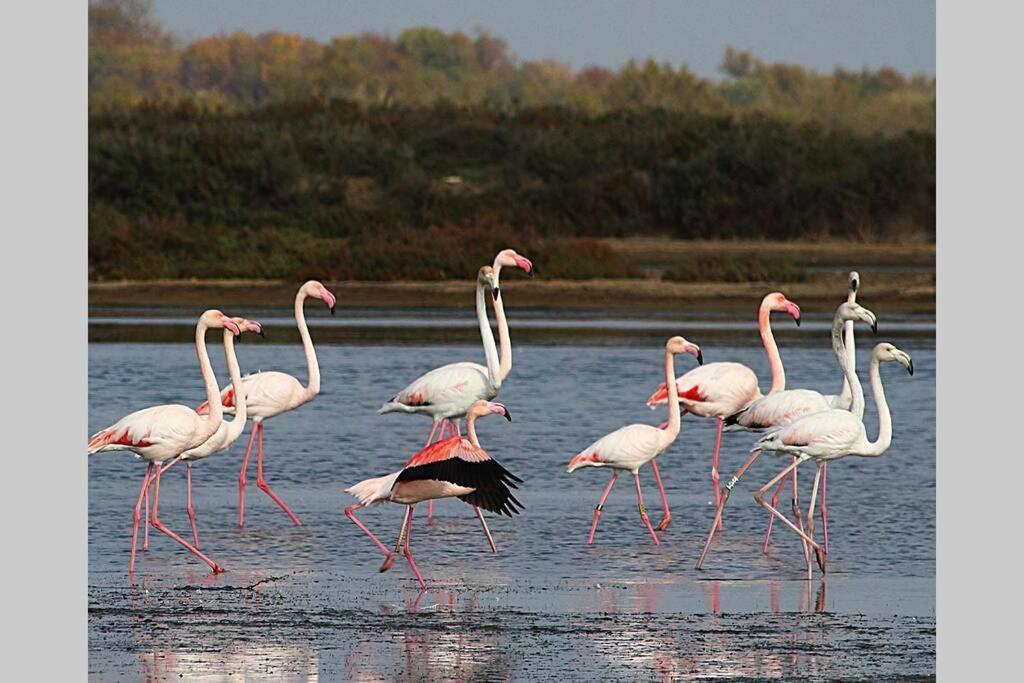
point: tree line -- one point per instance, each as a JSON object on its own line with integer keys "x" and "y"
{"x": 132, "y": 59}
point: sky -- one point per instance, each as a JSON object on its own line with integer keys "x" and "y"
{"x": 817, "y": 33}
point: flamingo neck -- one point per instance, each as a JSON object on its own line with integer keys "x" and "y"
{"x": 503, "y": 336}
{"x": 209, "y": 379}
{"x": 487, "y": 336}
{"x": 839, "y": 349}
{"x": 471, "y": 430}
{"x": 772, "y": 349}
{"x": 669, "y": 434}
{"x": 879, "y": 445}
{"x": 237, "y": 424}
{"x": 846, "y": 395}
{"x": 313, "y": 388}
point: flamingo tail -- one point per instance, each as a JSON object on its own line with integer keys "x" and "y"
{"x": 374, "y": 490}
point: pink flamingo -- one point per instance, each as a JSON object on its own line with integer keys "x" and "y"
{"x": 452, "y": 467}
{"x": 721, "y": 389}
{"x": 846, "y": 313}
{"x": 228, "y": 431}
{"x": 829, "y": 435}
{"x": 631, "y": 447}
{"x": 269, "y": 394}
{"x": 447, "y": 392}
{"x": 160, "y": 433}
{"x": 781, "y": 407}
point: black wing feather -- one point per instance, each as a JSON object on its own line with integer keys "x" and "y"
{"x": 488, "y": 477}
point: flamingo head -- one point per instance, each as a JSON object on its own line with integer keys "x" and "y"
{"x": 508, "y": 258}
{"x": 249, "y": 326}
{"x": 854, "y": 284}
{"x": 489, "y": 278}
{"x": 214, "y": 319}
{"x": 481, "y": 408}
{"x": 851, "y": 311}
{"x": 887, "y": 352}
{"x": 318, "y": 291}
{"x": 776, "y": 301}
{"x": 677, "y": 345}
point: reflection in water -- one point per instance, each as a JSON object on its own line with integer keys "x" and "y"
{"x": 434, "y": 649}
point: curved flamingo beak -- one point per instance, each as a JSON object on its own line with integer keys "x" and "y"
{"x": 793, "y": 310}
{"x": 525, "y": 264}
{"x": 253, "y": 326}
{"x": 328, "y": 298}
{"x": 231, "y": 325}
{"x": 695, "y": 350}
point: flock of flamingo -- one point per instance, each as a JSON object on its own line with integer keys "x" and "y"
{"x": 800, "y": 423}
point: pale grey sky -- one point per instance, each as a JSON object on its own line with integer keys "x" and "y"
{"x": 817, "y": 33}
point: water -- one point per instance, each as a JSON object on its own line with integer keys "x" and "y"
{"x": 303, "y": 602}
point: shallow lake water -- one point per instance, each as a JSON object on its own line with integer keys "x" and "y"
{"x": 308, "y": 602}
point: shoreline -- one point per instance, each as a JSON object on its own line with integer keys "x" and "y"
{"x": 906, "y": 292}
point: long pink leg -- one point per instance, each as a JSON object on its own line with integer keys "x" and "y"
{"x": 643, "y": 510}
{"x": 714, "y": 467}
{"x": 824, "y": 509}
{"x": 759, "y": 497}
{"x": 145, "y": 529}
{"x": 666, "y": 517}
{"x": 408, "y": 552}
{"x": 160, "y": 527}
{"x": 143, "y": 495}
{"x": 727, "y": 489}
{"x": 600, "y": 504}
{"x": 798, "y": 515}
{"x": 264, "y": 486}
{"x": 241, "y": 474}
{"x": 188, "y": 503}
{"x": 350, "y": 512}
{"x": 810, "y": 525}
{"x": 771, "y": 517}
{"x": 458, "y": 428}
{"x": 487, "y": 532}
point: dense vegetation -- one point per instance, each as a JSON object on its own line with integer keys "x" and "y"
{"x": 420, "y": 156}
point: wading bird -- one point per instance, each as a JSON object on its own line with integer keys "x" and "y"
{"x": 775, "y": 410}
{"x": 830, "y": 435}
{"x": 633, "y": 446}
{"x": 447, "y": 392}
{"x": 453, "y": 467}
{"x": 269, "y": 394}
{"x": 846, "y": 313}
{"x": 721, "y": 389}
{"x": 228, "y": 431}
{"x": 160, "y": 433}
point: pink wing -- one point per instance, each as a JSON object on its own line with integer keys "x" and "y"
{"x": 779, "y": 408}
{"x": 168, "y": 429}
{"x": 265, "y": 393}
{"x": 452, "y": 383}
{"x": 714, "y": 384}
{"x": 627, "y": 447}
{"x": 457, "y": 461}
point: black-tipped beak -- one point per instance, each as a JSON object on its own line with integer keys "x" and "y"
{"x": 496, "y": 292}
{"x": 262, "y": 334}
{"x": 874, "y": 327}
{"x": 797, "y": 319}
{"x": 532, "y": 271}
{"x": 700, "y": 358}
{"x": 332, "y": 310}
{"x": 910, "y": 367}
{"x": 854, "y": 284}
{"x": 508, "y": 415}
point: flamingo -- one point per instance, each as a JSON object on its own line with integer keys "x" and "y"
{"x": 447, "y": 392}
{"x": 269, "y": 394}
{"x": 633, "y": 446}
{"x": 830, "y": 435}
{"x": 783, "y": 406}
{"x": 452, "y": 467}
{"x": 846, "y": 313}
{"x": 160, "y": 433}
{"x": 228, "y": 432}
{"x": 721, "y": 389}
